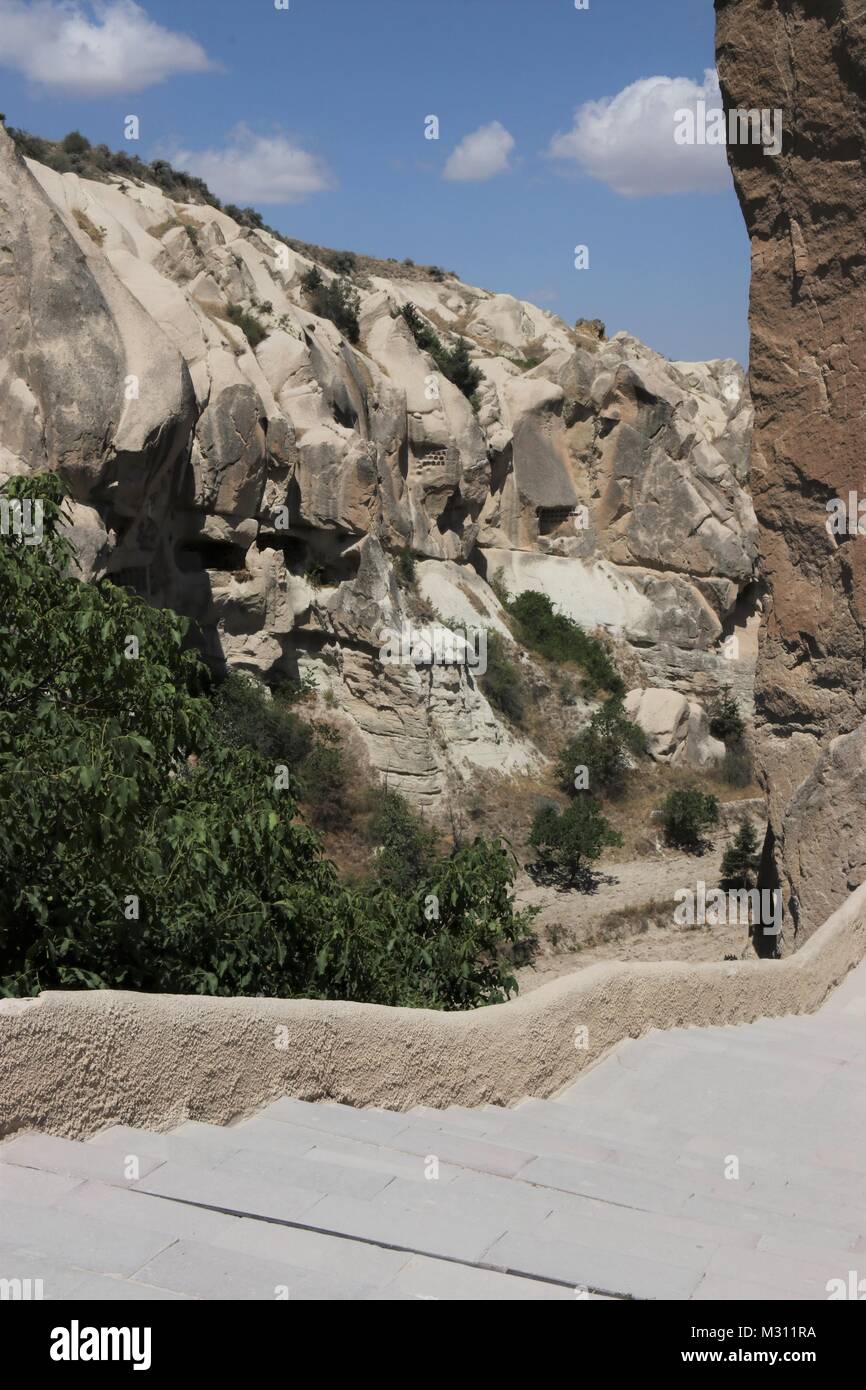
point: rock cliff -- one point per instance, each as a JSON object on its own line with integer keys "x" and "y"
{"x": 806, "y": 215}
{"x": 234, "y": 455}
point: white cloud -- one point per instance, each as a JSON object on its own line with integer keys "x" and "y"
{"x": 93, "y": 50}
{"x": 481, "y": 155}
{"x": 254, "y": 168}
{"x": 627, "y": 141}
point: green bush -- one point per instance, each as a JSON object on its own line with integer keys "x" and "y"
{"x": 252, "y": 327}
{"x": 606, "y": 748}
{"x": 325, "y": 782}
{"x": 742, "y": 858}
{"x": 686, "y": 815}
{"x": 404, "y": 566}
{"x": 461, "y": 370}
{"x": 737, "y": 769}
{"x": 726, "y": 722}
{"x": 145, "y": 843}
{"x": 501, "y": 681}
{"x": 499, "y": 587}
{"x": 341, "y": 262}
{"x": 75, "y": 143}
{"x": 336, "y": 300}
{"x": 407, "y": 846}
{"x": 244, "y": 717}
{"x": 559, "y": 638}
{"x": 464, "y": 927}
{"x": 568, "y": 841}
{"x": 454, "y": 363}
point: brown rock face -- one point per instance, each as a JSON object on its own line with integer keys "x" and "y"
{"x": 806, "y": 215}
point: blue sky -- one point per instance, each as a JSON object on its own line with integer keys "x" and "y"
{"x": 332, "y": 96}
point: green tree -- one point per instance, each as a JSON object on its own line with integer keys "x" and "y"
{"x": 568, "y": 841}
{"x": 741, "y": 858}
{"x": 336, "y": 299}
{"x": 146, "y": 844}
{"x": 686, "y": 816}
{"x": 454, "y": 363}
{"x": 462, "y": 370}
{"x": 726, "y": 721}
{"x": 606, "y": 748}
{"x": 406, "y": 845}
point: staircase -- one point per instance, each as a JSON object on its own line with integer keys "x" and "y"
{"x": 713, "y": 1163}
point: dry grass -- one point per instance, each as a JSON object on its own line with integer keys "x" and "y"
{"x": 632, "y": 813}
{"x": 159, "y": 231}
{"x": 623, "y": 924}
{"x": 96, "y": 234}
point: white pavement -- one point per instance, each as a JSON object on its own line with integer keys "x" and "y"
{"x": 691, "y": 1164}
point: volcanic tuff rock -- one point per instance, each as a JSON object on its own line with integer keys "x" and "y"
{"x": 264, "y": 490}
{"x": 806, "y": 215}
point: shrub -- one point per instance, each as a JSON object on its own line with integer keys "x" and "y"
{"x": 569, "y": 840}
{"x": 407, "y": 847}
{"x": 501, "y": 681}
{"x": 426, "y": 338}
{"x": 454, "y": 363}
{"x": 726, "y": 722}
{"x": 325, "y": 782}
{"x": 336, "y": 300}
{"x": 244, "y": 717}
{"x": 561, "y": 639}
{"x": 404, "y": 565}
{"x": 75, "y": 143}
{"x": 498, "y": 585}
{"x": 741, "y": 858}
{"x": 252, "y": 327}
{"x": 605, "y": 748}
{"x": 686, "y": 815}
{"x": 737, "y": 769}
{"x": 462, "y": 370}
{"x": 341, "y": 262}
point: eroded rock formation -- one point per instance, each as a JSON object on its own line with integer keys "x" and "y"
{"x": 806, "y": 215}
{"x": 263, "y": 481}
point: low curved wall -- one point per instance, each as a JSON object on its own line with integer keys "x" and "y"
{"x": 72, "y": 1063}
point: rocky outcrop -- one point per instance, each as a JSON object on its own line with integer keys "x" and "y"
{"x": 806, "y": 215}
{"x": 236, "y": 457}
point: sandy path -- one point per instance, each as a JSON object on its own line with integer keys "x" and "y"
{"x": 570, "y": 923}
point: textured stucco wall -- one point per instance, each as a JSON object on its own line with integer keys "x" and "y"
{"x": 72, "y": 1063}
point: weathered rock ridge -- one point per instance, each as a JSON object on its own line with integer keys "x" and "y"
{"x": 806, "y": 216}
{"x": 264, "y": 490}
